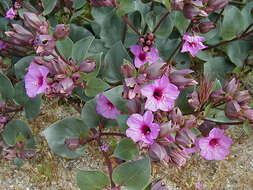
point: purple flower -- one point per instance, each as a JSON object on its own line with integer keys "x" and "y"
{"x": 2, "y": 45}
{"x": 216, "y": 146}
{"x": 106, "y": 108}
{"x": 10, "y": 14}
{"x": 142, "y": 57}
{"x": 141, "y": 128}
{"x": 35, "y": 80}
{"x": 193, "y": 44}
{"x": 160, "y": 95}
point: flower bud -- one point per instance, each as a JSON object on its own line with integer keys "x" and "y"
{"x": 127, "y": 70}
{"x": 154, "y": 70}
{"x": 176, "y": 116}
{"x": 88, "y": 66}
{"x": 59, "y": 77}
{"x": 206, "y": 127}
{"x": 217, "y": 4}
{"x": 181, "y": 80}
{"x": 205, "y": 27}
{"x": 67, "y": 86}
{"x": 190, "y": 11}
{"x": 34, "y": 21}
{"x": 165, "y": 129}
{"x": 145, "y": 48}
{"x": 134, "y": 106}
{"x": 231, "y": 86}
{"x": 61, "y": 31}
{"x": 190, "y": 123}
{"x": 194, "y": 100}
{"x": 177, "y": 157}
{"x": 185, "y": 137}
{"x": 151, "y": 36}
{"x": 232, "y": 110}
{"x": 248, "y": 113}
{"x": 217, "y": 95}
{"x": 101, "y": 3}
{"x": 20, "y": 145}
{"x": 242, "y": 96}
{"x": 157, "y": 153}
{"x": 72, "y": 144}
{"x": 3, "y": 119}
{"x": 177, "y": 5}
{"x": 76, "y": 77}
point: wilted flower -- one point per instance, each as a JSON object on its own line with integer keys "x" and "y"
{"x": 2, "y": 45}
{"x": 10, "y": 14}
{"x": 205, "y": 27}
{"x": 158, "y": 153}
{"x": 106, "y": 108}
{"x": 141, "y": 128}
{"x": 231, "y": 86}
{"x": 177, "y": 157}
{"x": 127, "y": 70}
{"x": 88, "y": 66}
{"x": 66, "y": 86}
{"x": 101, "y": 3}
{"x": 133, "y": 106}
{"x": 34, "y": 22}
{"x": 206, "y": 127}
{"x": 216, "y": 146}
{"x": 142, "y": 57}
{"x": 35, "y": 80}
{"x": 177, "y": 5}
{"x": 181, "y": 80}
{"x": 194, "y": 99}
{"x": 193, "y": 44}
{"x": 185, "y": 137}
{"x": 232, "y": 110}
{"x": 190, "y": 11}
{"x": 159, "y": 185}
{"x": 160, "y": 95}
{"x": 44, "y": 44}
{"x": 214, "y": 5}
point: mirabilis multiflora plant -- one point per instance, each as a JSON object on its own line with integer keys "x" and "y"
{"x": 131, "y": 66}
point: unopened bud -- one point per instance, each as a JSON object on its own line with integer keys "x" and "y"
{"x": 61, "y": 31}
{"x": 157, "y": 153}
{"x": 205, "y": 27}
{"x": 232, "y": 110}
{"x": 88, "y": 66}
{"x": 176, "y": 116}
{"x": 190, "y": 11}
{"x": 181, "y": 78}
{"x": 127, "y": 70}
{"x": 151, "y": 36}
{"x": 165, "y": 129}
{"x": 133, "y": 106}
{"x": 194, "y": 100}
{"x": 185, "y": 137}
{"x": 217, "y": 95}
{"x": 206, "y": 127}
{"x": 190, "y": 123}
{"x": 177, "y": 5}
{"x": 217, "y": 4}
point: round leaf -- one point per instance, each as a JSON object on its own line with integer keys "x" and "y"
{"x": 6, "y": 88}
{"x": 67, "y": 128}
{"x": 126, "y": 150}
{"x": 95, "y": 86}
{"x": 48, "y": 6}
{"x": 20, "y": 96}
{"x": 32, "y": 107}
{"x": 21, "y": 65}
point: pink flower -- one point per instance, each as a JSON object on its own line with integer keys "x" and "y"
{"x": 106, "y": 108}
{"x": 3, "y": 45}
{"x": 142, "y": 57}
{"x": 141, "y": 128}
{"x": 10, "y": 14}
{"x": 216, "y": 146}
{"x": 160, "y": 95}
{"x": 35, "y": 80}
{"x": 193, "y": 44}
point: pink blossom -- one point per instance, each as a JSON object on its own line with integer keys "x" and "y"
{"x": 10, "y": 14}
{"x": 3, "y": 45}
{"x": 216, "y": 146}
{"x": 141, "y": 128}
{"x": 160, "y": 95}
{"x": 35, "y": 80}
{"x": 193, "y": 44}
{"x": 106, "y": 108}
{"x": 142, "y": 57}
{"x": 104, "y": 147}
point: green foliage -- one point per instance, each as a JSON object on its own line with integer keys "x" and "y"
{"x": 6, "y": 88}
{"x": 48, "y": 6}
{"x": 133, "y": 175}
{"x": 68, "y": 128}
{"x": 95, "y": 86}
{"x": 32, "y": 107}
{"x": 121, "y": 120}
{"x": 20, "y": 96}
{"x": 126, "y": 150}
{"x": 21, "y": 65}
{"x": 92, "y": 180}
{"x": 65, "y": 47}
{"x": 77, "y": 4}
{"x": 14, "y": 129}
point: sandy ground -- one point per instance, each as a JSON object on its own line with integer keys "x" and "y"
{"x": 51, "y": 172}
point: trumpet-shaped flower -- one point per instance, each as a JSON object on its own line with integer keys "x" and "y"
{"x": 35, "y": 80}
{"x": 10, "y": 14}
{"x": 193, "y": 44}
{"x": 142, "y": 57}
{"x": 160, "y": 95}
{"x": 141, "y": 128}
{"x": 106, "y": 108}
{"x": 216, "y": 146}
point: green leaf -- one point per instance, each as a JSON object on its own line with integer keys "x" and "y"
{"x": 80, "y": 49}
{"x": 126, "y": 150}
{"x": 90, "y": 115}
{"x": 121, "y": 120}
{"x": 216, "y": 85}
{"x": 65, "y": 47}
{"x": 133, "y": 175}
{"x": 77, "y": 14}
{"x": 218, "y": 116}
{"x": 48, "y": 6}
{"x": 13, "y": 129}
{"x": 32, "y": 107}
{"x": 95, "y": 86}
{"x": 247, "y": 128}
{"x": 182, "y": 101}
{"x": 97, "y": 47}
{"x": 233, "y": 22}
{"x": 68, "y": 128}
{"x": 77, "y": 33}
{"x": 20, "y": 96}
{"x": 181, "y": 22}
{"x": 92, "y": 180}
{"x": 18, "y": 162}
{"x": 77, "y": 4}
{"x": 6, "y": 88}
{"x": 246, "y": 13}
{"x": 220, "y": 66}
{"x": 115, "y": 97}
{"x": 238, "y": 51}
{"x": 126, "y": 6}
{"x": 21, "y": 65}
{"x": 113, "y": 63}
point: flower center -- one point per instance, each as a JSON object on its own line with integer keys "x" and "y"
{"x": 142, "y": 56}
{"x": 39, "y": 82}
{"x": 110, "y": 105}
{"x": 192, "y": 44}
{"x": 214, "y": 142}
{"x": 145, "y": 129}
{"x": 158, "y": 93}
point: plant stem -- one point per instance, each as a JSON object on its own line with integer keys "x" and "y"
{"x": 113, "y": 134}
{"x": 227, "y": 123}
{"x": 146, "y": 26}
{"x": 107, "y": 159}
{"x": 59, "y": 54}
{"x": 160, "y": 22}
{"x": 125, "y": 18}
{"x": 219, "y": 16}
{"x": 237, "y": 3}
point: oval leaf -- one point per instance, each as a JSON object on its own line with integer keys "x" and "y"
{"x": 6, "y": 88}
{"x": 48, "y": 6}
{"x": 32, "y": 107}
{"x": 126, "y": 150}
